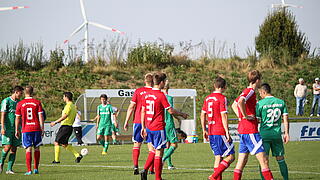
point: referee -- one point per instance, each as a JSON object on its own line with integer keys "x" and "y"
{"x": 68, "y": 115}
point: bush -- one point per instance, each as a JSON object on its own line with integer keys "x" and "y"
{"x": 150, "y": 53}
{"x": 56, "y": 59}
{"x": 280, "y": 40}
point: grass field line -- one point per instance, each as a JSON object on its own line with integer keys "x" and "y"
{"x": 126, "y": 167}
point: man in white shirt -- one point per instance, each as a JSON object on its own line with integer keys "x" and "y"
{"x": 77, "y": 129}
{"x": 316, "y": 97}
{"x": 300, "y": 92}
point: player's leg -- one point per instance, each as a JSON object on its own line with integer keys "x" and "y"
{"x": 56, "y": 153}
{"x": 158, "y": 163}
{"x": 137, "y": 141}
{"x": 7, "y": 144}
{"x": 64, "y": 142}
{"x": 106, "y": 143}
{"x": 172, "y": 138}
{"x": 241, "y": 163}
{"x": 149, "y": 161}
{"x": 277, "y": 149}
{"x": 267, "y": 147}
{"x": 100, "y": 135}
{"x": 78, "y": 133}
{"x": 264, "y": 164}
{"x": 28, "y": 160}
{"x": 13, "y": 151}
{"x": 37, "y": 142}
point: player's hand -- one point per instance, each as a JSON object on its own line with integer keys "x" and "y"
{"x": 205, "y": 135}
{"x": 286, "y": 138}
{"x": 228, "y": 137}
{"x": 125, "y": 126}
{"x": 116, "y": 125}
{"x": 52, "y": 123}
{"x": 250, "y": 118}
{"x": 3, "y": 131}
{"x": 185, "y": 115}
{"x": 144, "y": 132}
{"x": 17, "y": 134}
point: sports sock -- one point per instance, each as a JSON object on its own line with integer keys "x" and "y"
{"x": 283, "y": 169}
{"x": 150, "y": 160}
{"x": 219, "y": 177}
{"x": 168, "y": 153}
{"x": 12, "y": 158}
{"x": 267, "y": 174}
{"x": 74, "y": 152}
{"x": 57, "y": 153}
{"x": 36, "y": 159}
{"x": 151, "y": 168}
{"x": 135, "y": 156}
{"x": 222, "y": 166}
{"x": 237, "y": 173}
{"x": 28, "y": 160}
{"x": 169, "y": 163}
{"x": 3, "y": 156}
{"x": 158, "y": 167}
{"x": 106, "y": 146}
{"x": 101, "y": 142}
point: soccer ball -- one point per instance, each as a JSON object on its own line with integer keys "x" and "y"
{"x": 84, "y": 151}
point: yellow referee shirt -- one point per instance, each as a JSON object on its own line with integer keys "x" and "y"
{"x": 70, "y": 110}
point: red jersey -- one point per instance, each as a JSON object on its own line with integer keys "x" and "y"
{"x": 155, "y": 103}
{"x": 137, "y": 99}
{"x": 248, "y": 126}
{"x": 213, "y": 106}
{"x": 29, "y": 110}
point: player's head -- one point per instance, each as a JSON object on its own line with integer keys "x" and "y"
{"x": 159, "y": 79}
{"x": 29, "y": 91}
{"x": 220, "y": 84}
{"x": 148, "y": 79}
{"x": 166, "y": 86}
{"x": 17, "y": 92}
{"x": 103, "y": 99}
{"x": 254, "y": 77}
{"x": 264, "y": 90}
{"x": 67, "y": 96}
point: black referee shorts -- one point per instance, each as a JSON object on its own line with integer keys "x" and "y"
{"x": 64, "y": 134}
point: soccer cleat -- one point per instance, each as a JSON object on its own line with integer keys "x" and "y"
{"x": 144, "y": 174}
{"x": 10, "y": 172}
{"x": 151, "y": 172}
{"x": 28, "y": 173}
{"x": 55, "y": 162}
{"x": 78, "y": 159}
{"x": 104, "y": 153}
{"x": 35, "y": 171}
{"x": 318, "y": 115}
{"x": 311, "y": 115}
{"x": 171, "y": 167}
{"x": 135, "y": 171}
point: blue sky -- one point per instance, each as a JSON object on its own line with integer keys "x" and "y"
{"x": 232, "y": 21}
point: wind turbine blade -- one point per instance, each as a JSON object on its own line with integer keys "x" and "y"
{"x": 13, "y": 8}
{"x": 105, "y": 27}
{"x": 83, "y": 12}
{"x": 74, "y": 32}
{"x": 283, "y": 2}
{"x": 295, "y": 6}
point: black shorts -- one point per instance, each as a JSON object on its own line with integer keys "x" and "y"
{"x": 64, "y": 134}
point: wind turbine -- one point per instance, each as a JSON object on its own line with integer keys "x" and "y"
{"x": 12, "y": 8}
{"x": 85, "y": 25}
{"x": 283, "y": 5}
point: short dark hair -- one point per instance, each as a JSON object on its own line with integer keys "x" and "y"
{"x": 253, "y": 76}
{"x": 103, "y": 96}
{"x": 266, "y": 87}
{"x": 166, "y": 86}
{"x": 158, "y": 77}
{"x": 29, "y": 90}
{"x": 148, "y": 78}
{"x": 17, "y": 89}
{"x": 219, "y": 82}
{"x": 68, "y": 95}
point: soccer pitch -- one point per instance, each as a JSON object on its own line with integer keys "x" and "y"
{"x": 193, "y": 161}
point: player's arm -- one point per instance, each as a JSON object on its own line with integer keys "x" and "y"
{"x": 114, "y": 117}
{"x": 3, "y": 130}
{"x": 203, "y": 119}
{"x": 143, "y": 127}
{"x": 225, "y": 124}
{"x": 41, "y": 120}
{"x": 131, "y": 108}
{"x": 175, "y": 112}
{"x": 242, "y": 107}
{"x": 234, "y": 107}
{"x": 63, "y": 117}
{"x": 286, "y": 137}
{"x": 17, "y": 124}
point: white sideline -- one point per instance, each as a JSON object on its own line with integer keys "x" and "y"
{"x": 130, "y": 167}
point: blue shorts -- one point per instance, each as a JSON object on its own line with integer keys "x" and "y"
{"x": 250, "y": 143}
{"x": 220, "y": 145}
{"x": 31, "y": 138}
{"x": 158, "y": 139}
{"x": 136, "y": 137}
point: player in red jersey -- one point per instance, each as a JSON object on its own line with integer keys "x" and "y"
{"x": 215, "y": 113}
{"x": 135, "y": 106}
{"x": 153, "y": 124}
{"x": 250, "y": 140}
{"x": 30, "y": 111}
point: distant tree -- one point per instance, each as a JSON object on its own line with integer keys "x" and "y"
{"x": 280, "y": 39}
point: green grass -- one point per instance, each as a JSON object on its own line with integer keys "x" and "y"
{"x": 195, "y": 161}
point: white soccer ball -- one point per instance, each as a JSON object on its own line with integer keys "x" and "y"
{"x": 84, "y": 151}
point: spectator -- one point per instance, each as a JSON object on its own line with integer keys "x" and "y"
{"x": 316, "y": 97}
{"x": 300, "y": 92}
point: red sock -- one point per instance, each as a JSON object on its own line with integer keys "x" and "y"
{"x": 267, "y": 174}
{"x": 28, "y": 160}
{"x": 135, "y": 155}
{"x": 152, "y": 167}
{"x": 36, "y": 158}
{"x": 218, "y": 178}
{"x": 149, "y": 161}
{"x": 237, "y": 174}
{"x": 158, "y": 167}
{"x": 222, "y": 166}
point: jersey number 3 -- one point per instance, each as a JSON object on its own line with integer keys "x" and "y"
{"x": 150, "y": 107}
{"x": 274, "y": 115}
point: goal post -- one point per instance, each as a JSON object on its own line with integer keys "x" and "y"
{"x": 184, "y": 100}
